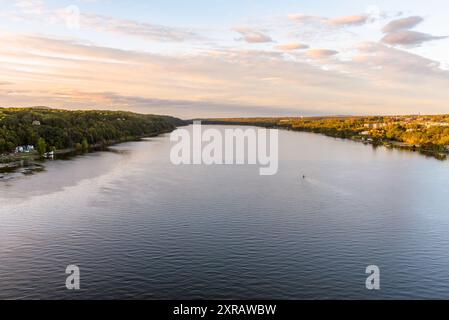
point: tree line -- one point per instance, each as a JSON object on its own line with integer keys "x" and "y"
{"x": 51, "y": 129}
{"x": 425, "y": 132}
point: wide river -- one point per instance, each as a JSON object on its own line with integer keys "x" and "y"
{"x": 139, "y": 227}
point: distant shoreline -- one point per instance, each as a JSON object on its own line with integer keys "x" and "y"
{"x": 274, "y": 123}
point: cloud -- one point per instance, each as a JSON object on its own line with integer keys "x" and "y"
{"x": 144, "y": 30}
{"x": 397, "y": 64}
{"x": 33, "y": 7}
{"x": 173, "y": 106}
{"x": 252, "y": 36}
{"x": 343, "y": 21}
{"x": 321, "y": 53}
{"x": 355, "y": 20}
{"x": 397, "y": 33}
{"x": 402, "y": 24}
{"x": 292, "y": 46}
{"x": 54, "y": 72}
{"x": 36, "y": 10}
{"x": 219, "y": 82}
{"x": 185, "y": 109}
{"x": 306, "y": 19}
{"x": 408, "y": 38}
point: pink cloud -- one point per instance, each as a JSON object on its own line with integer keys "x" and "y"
{"x": 354, "y": 20}
{"x": 321, "y": 53}
{"x": 402, "y": 24}
{"x": 292, "y": 46}
{"x": 252, "y": 36}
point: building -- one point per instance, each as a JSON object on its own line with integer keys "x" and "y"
{"x": 430, "y": 124}
{"x": 36, "y": 123}
{"x": 25, "y": 149}
{"x": 374, "y": 125}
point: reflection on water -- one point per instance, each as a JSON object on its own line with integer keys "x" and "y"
{"x": 140, "y": 227}
{"x": 13, "y": 170}
{"x": 65, "y": 170}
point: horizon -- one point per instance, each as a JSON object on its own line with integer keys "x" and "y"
{"x": 226, "y": 59}
{"x": 239, "y": 117}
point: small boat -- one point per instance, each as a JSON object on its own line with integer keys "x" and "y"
{"x": 50, "y": 154}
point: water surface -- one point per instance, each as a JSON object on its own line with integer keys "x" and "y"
{"x": 139, "y": 227}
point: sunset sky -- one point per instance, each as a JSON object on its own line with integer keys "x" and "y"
{"x": 216, "y": 58}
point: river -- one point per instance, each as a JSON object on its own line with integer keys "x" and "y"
{"x": 139, "y": 227}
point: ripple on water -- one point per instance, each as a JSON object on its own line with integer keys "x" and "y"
{"x": 139, "y": 227}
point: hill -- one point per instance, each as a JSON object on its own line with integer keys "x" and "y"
{"x": 63, "y": 129}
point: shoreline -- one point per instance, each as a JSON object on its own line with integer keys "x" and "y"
{"x": 11, "y": 162}
{"x": 72, "y": 131}
{"x": 389, "y": 144}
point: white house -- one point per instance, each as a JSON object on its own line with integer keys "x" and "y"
{"x": 25, "y": 149}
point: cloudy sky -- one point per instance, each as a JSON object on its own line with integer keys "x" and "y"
{"x": 227, "y": 57}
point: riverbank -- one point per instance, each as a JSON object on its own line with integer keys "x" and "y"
{"x": 376, "y": 131}
{"x": 66, "y": 132}
{"x": 11, "y": 162}
{"x": 390, "y": 144}
{"x": 51, "y": 129}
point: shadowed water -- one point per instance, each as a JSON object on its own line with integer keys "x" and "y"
{"x": 139, "y": 227}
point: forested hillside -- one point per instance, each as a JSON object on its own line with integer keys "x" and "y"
{"x": 61, "y": 129}
{"x": 427, "y": 133}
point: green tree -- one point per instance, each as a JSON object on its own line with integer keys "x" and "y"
{"x": 41, "y": 146}
{"x": 64, "y": 129}
{"x": 85, "y": 145}
{"x": 78, "y": 147}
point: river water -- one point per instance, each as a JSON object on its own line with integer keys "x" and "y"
{"x": 139, "y": 227}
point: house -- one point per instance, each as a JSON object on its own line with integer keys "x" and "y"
{"x": 374, "y": 125}
{"x": 436, "y": 124}
{"x": 25, "y": 149}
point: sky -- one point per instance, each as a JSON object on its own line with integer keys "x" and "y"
{"x": 227, "y": 58}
